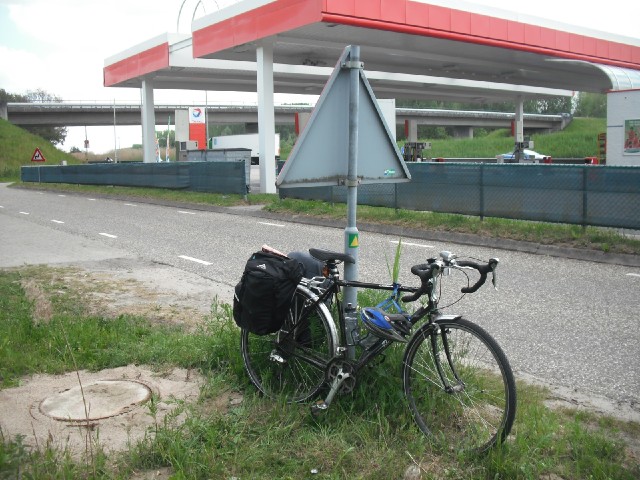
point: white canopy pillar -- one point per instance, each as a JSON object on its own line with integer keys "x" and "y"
{"x": 519, "y": 130}
{"x": 412, "y": 130}
{"x": 266, "y": 118}
{"x": 148, "y": 123}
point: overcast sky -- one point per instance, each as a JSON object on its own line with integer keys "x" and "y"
{"x": 60, "y": 45}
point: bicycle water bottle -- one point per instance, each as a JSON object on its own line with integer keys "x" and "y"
{"x": 351, "y": 329}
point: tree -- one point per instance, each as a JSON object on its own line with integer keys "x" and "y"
{"x": 591, "y": 105}
{"x": 55, "y": 135}
{"x": 162, "y": 138}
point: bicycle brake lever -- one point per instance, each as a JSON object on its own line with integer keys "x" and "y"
{"x": 494, "y": 272}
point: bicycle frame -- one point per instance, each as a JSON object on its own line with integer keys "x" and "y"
{"x": 430, "y": 310}
{"x": 333, "y": 292}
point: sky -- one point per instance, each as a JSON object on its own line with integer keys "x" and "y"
{"x": 60, "y": 46}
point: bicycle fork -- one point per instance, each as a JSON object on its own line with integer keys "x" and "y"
{"x": 436, "y": 332}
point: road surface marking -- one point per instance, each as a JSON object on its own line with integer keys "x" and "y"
{"x": 188, "y": 213}
{"x": 271, "y": 224}
{"x": 412, "y": 244}
{"x": 91, "y": 199}
{"x": 197, "y": 260}
{"x": 57, "y": 221}
{"x": 634, "y": 274}
{"x": 62, "y": 195}
{"x": 130, "y": 205}
{"x": 24, "y": 213}
{"x": 1, "y": 206}
{"x": 108, "y": 235}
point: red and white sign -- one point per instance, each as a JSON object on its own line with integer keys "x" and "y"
{"x": 37, "y": 156}
{"x": 198, "y": 126}
{"x": 196, "y": 115}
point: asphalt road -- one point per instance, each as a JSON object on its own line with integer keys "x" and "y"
{"x": 571, "y": 323}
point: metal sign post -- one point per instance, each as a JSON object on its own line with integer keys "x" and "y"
{"x": 330, "y": 152}
{"x": 351, "y": 237}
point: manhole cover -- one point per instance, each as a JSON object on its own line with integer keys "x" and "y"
{"x": 101, "y": 399}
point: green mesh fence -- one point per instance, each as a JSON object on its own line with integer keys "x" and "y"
{"x": 576, "y": 194}
{"x": 214, "y": 177}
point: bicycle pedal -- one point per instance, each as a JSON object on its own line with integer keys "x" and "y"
{"x": 274, "y": 357}
{"x": 319, "y": 408}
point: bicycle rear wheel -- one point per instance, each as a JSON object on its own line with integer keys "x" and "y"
{"x": 475, "y": 406}
{"x": 290, "y": 363}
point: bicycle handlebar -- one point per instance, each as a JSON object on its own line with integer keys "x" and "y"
{"x": 427, "y": 271}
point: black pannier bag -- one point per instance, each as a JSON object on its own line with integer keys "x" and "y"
{"x": 263, "y": 296}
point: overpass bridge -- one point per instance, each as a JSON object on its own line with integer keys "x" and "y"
{"x": 66, "y": 114}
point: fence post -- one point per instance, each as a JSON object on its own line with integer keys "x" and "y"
{"x": 584, "y": 197}
{"x": 395, "y": 196}
{"x": 482, "y": 192}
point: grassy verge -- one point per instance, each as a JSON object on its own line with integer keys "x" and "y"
{"x": 367, "y": 435}
{"x": 606, "y": 240}
{"x": 576, "y": 236}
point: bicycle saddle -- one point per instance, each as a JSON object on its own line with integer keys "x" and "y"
{"x": 327, "y": 256}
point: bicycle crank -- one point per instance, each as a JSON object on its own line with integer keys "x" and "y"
{"x": 340, "y": 375}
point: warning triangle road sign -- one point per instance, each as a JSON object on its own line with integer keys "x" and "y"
{"x": 37, "y": 156}
{"x": 320, "y": 156}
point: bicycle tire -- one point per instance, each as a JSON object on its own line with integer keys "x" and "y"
{"x": 481, "y": 413}
{"x": 290, "y": 364}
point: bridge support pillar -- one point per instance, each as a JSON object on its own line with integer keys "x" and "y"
{"x": 463, "y": 132}
{"x": 148, "y": 123}
{"x": 411, "y": 130}
{"x": 266, "y": 118}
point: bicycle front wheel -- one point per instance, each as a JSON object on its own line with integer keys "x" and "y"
{"x": 459, "y": 386}
{"x": 290, "y": 363}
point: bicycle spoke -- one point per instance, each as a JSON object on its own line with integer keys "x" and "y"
{"x": 479, "y": 407}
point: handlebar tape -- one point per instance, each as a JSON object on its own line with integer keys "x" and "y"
{"x": 482, "y": 269}
{"x": 425, "y": 272}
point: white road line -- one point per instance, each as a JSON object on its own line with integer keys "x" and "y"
{"x": 1, "y": 206}
{"x": 57, "y": 221}
{"x": 188, "y": 213}
{"x": 24, "y": 213}
{"x": 412, "y": 244}
{"x": 91, "y": 199}
{"x": 271, "y": 224}
{"x": 197, "y": 260}
{"x": 108, "y": 235}
{"x": 633, "y": 274}
{"x": 130, "y": 205}
{"x": 62, "y": 195}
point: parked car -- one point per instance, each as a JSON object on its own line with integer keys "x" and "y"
{"x": 526, "y": 156}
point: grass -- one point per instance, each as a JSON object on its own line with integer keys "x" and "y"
{"x": 369, "y": 434}
{"x": 537, "y": 232}
{"x": 577, "y": 140}
{"x": 17, "y": 148}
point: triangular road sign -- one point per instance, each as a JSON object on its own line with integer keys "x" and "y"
{"x": 320, "y": 156}
{"x": 37, "y": 156}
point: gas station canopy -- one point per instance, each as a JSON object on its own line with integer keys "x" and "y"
{"x": 457, "y": 41}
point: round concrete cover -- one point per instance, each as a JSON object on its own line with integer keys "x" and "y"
{"x": 104, "y": 398}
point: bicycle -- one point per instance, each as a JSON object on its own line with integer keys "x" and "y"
{"x": 456, "y": 378}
